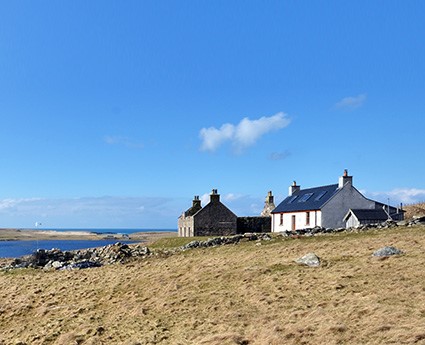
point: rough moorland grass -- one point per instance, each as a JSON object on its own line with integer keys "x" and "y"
{"x": 417, "y": 209}
{"x": 238, "y": 294}
{"x": 174, "y": 242}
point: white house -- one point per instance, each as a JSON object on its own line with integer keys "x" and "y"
{"x": 325, "y": 206}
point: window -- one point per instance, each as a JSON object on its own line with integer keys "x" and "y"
{"x": 307, "y": 218}
{"x": 305, "y": 197}
{"x": 290, "y": 201}
{"x": 281, "y": 219}
{"x": 320, "y": 196}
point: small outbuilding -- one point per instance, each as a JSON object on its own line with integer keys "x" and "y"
{"x": 357, "y": 217}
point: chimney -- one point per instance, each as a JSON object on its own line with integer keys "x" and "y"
{"x": 293, "y": 188}
{"x": 344, "y": 179}
{"x": 270, "y": 198}
{"x": 268, "y": 206}
{"x": 196, "y": 202}
{"x": 214, "y": 196}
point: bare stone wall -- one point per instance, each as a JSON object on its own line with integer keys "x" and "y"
{"x": 185, "y": 226}
{"x": 254, "y": 224}
{"x": 215, "y": 219}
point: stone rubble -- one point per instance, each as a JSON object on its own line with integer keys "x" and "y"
{"x": 414, "y": 221}
{"x": 79, "y": 259}
{"x": 55, "y": 259}
{"x": 318, "y": 230}
{"x": 219, "y": 241}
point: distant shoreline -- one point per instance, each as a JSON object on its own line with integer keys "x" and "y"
{"x": 30, "y": 234}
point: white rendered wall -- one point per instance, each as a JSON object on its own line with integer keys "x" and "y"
{"x": 300, "y": 220}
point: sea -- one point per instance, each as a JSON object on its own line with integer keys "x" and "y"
{"x": 14, "y": 249}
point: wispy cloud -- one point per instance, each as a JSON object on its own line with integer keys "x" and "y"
{"x": 277, "y": 156}
{"x": 109, "y": 211}
{"x": 398, "y": 195}
{"x": 245, "y": 134}
{"x": 350, "y": 103}
{"x": 240, "y": 204}
{"x": 124, "y": 141}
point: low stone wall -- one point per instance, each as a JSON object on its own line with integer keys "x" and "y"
{"x": 254, "y": 224}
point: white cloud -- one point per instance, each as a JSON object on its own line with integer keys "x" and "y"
{"x": 351, "y": 102}
{"x": 205, "y": 199}
{"x": 212, "y": 137}
{"x": 242, "y": 135}
{"x": 10, "y": 204}
{"x": 400, "y": 195}
{"x": 124, "y": 141}
{"x": 232, "y": 197}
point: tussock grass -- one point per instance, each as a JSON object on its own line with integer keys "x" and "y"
{"x": 417, "y": 209}
{"x": 245, "y": 294}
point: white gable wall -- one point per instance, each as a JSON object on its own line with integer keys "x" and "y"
{"x": 285, "y": 223}
{"x": 352, "y": 221}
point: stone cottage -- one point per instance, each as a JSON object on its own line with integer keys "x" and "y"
{"x": 328, "y": 207}
{"x": 215, "y": 219}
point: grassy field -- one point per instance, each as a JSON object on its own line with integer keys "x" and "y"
{"x": 250, "y": 293}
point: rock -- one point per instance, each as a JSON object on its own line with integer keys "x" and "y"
{"x": 310, "y": 260}
{"x": 387, "y": 251}
{"x": 84, "y": 264}
{"x": 57, "y": 264}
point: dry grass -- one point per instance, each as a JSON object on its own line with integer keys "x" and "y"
{"x": 413, "y": 210}
{"x": 245, "y": 294}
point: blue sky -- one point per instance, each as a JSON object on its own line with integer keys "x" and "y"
{"x": 114, "y": 114}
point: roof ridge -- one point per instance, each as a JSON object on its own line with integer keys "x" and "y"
{"x": 325, "y": 186}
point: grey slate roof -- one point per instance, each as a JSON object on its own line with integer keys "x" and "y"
{"x": 364, "y": 214}
{"x": 307, "y": 199}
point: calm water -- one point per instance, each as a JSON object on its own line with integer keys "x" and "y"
{"x": 14, "y": 249}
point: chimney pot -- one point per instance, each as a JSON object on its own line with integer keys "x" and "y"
{"x": 344, "y": 179}
{"x": 214, "y": 197}
{"x": 293, "y": 188}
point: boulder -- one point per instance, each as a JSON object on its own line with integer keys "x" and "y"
{"x": 387, "y": 251}
{"x": 310, "y": 260}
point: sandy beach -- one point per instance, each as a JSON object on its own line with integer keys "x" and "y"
{"x": 23, "y": 234}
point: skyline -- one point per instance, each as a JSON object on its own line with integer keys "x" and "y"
{"x": 116, "y": 114}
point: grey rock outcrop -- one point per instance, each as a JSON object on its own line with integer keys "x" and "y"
{"x": 310, "y": 260}
{"x": 387, "y": 251}
{"x": 418, "y": 220}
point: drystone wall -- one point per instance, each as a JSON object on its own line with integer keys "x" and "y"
{"x": 254, "y": 224}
